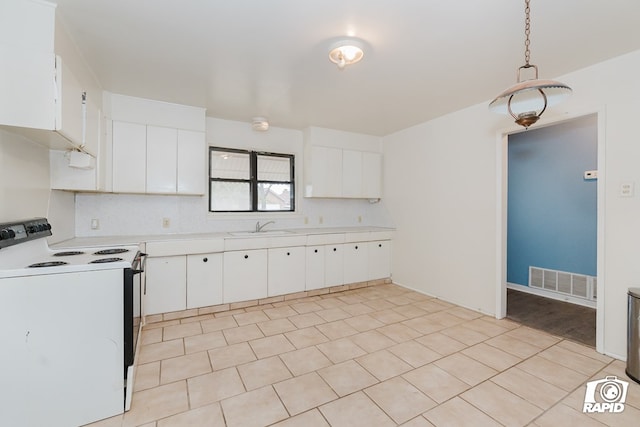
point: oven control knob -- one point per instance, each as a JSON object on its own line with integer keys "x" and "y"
{"x": 7, "y": 234}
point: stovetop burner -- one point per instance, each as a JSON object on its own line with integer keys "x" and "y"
{"x": 104, "y": 260}
{"x": 48, "y": 264}
{"x": 68, "y": 253}
{"x": 111, "y": 251}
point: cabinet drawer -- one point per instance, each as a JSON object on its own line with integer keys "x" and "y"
{"x": 324, "y": 239}
{"x": 184, "y": 247}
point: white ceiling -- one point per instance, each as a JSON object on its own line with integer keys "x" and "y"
{"x": 423, "y": 58}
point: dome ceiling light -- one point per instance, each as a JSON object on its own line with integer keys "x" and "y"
{"x": 528, "y": 99}
{"x": 346, "y": 52}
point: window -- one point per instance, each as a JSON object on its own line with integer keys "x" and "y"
{"x": 250, "y": 181}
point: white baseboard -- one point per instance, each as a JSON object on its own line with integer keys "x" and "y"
{"x": 552, "y": 295}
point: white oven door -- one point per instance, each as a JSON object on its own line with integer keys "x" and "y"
{"x": 66, "y": 336}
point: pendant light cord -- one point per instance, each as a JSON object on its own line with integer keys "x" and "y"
{"x": 527, "y": 32}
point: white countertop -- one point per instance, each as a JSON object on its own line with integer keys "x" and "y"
{"x": 137, "y": 239}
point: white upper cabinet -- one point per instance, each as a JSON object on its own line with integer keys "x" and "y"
{"x": 42, "y": 97}
{"x": 351, "y": 173}
{"x": 326, "y": 172}
{"x": 129, "y": 157}
{"x": 162, "y": 149}
{"x": 174, "y": 157}
{"x": 191, "y": 162}
{"x": 341, "y": 164}
{"x": 27, "y": 64}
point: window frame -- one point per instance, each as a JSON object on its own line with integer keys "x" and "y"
{"x": 253, "y": 180}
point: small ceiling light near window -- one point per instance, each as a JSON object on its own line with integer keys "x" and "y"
{"x": 346, "y": 52}
{"x": 528, "y": 99}
{"x": 260, "y": 124}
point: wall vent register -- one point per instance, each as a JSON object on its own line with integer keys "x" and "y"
{"x": 576, "y": 285}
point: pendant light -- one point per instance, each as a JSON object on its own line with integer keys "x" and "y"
{"x": 528, "y": 99}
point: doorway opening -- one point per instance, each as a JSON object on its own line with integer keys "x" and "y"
{"x": 551, "y": 230}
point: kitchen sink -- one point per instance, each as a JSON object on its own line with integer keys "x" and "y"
{"x": 260, "y": 233}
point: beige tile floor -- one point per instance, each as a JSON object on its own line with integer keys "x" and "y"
{"x": 375, "y": 356}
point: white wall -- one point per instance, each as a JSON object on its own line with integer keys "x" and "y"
{"x": 128, "y": 214}
{"x": 24, "y": 178}
{"x": 24, "y": 186}
{"x": 447, "y": 208}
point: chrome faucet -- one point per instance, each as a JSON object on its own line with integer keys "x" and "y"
{"x": 260, "y": 227}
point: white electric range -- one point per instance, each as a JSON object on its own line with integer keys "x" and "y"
{"x": 69, "y": 322}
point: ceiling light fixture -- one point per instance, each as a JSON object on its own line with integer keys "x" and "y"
{"x": 260, "y": 124}
{"x": 528, "y": 99}
{"x": 346, "y": 52}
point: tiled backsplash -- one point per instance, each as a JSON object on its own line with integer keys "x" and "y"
{"x": 134, "y": 214}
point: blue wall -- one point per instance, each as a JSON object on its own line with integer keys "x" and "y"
{"x": 552, "y": 210}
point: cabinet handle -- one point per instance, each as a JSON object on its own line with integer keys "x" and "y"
{"x": 356, "y": 247}
{"x": 246, "y": 256}
{"x": 315, "y": 251}
{"x": 335, "y": 249}
{"x": 288, "y": 254}
{"x": 380, "y": 245}
{"x": 205, "y": 259}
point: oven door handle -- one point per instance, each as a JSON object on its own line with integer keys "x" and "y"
{"x": 139, "y": 263}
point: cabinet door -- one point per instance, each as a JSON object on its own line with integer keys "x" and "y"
{"x": 334, "y": 265}
{"x": 71, "y": 114}
{"x": 315, "y": 261}
{"x": 27, "y": 73}
{"x": 326, "y": 172}
{"x": 27, "y": 85}
{"x": 245, "y": 275}
{"x": 379, "y": 259}
{"x": 355, "y": 262}
{"x": 351, "y": 173}
{"x": 92, "y": 137}
{"x": 204, "y": 280}
{"x": 371, "y": 175}
{"x": 286, "y": 270}
{"x": 191, "y": 162}
{"x": 162, "y": 152}
{"x": 129, "y": 157}
{"x": 166, "y": 284}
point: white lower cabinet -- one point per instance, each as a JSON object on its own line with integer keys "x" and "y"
{"x": 166, "y": 284}
{"x": 204, "y": 280}
{"x": 209, "y": 275}
{"x": 245, "y": 275}
{"x": 379, "y": 253}
{"x": 286, "y": 270}
{"x": 334, "y": 265}
{"x": 315, "y": 268}
{"x": 356, "y": 262}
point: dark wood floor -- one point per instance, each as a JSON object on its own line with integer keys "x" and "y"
{"x": 571, "y": 321}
